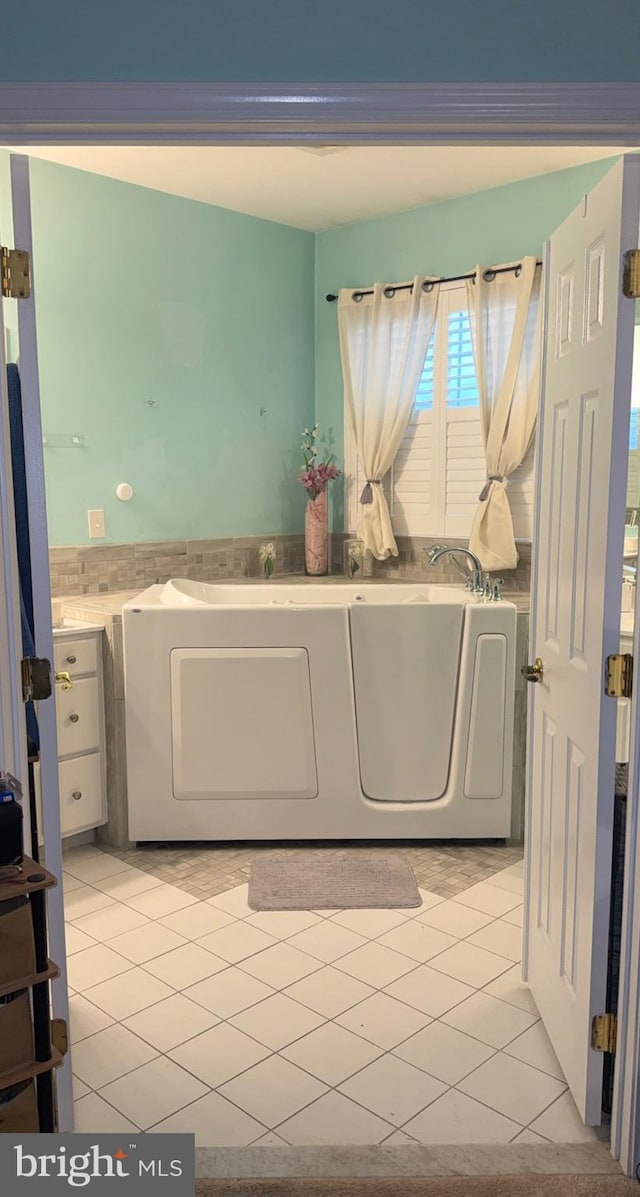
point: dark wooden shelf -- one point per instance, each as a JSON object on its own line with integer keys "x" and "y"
{"x": 32, "y": 1068}
{"x": 18, "y": 983}
{"x": 31, "y": 881}
{"x": 17, "y": 887}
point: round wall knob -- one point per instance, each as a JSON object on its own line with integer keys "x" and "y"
{"x": 74, "y": 718}
{"x": 124, "y": 492}
{"x": 77, "y": 795}
{"x": 71, "y": 659}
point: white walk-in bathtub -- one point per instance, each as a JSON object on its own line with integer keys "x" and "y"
{"x": 315, "y": 710}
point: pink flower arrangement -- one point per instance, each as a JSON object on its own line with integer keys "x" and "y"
{"x": 316, "y": 475}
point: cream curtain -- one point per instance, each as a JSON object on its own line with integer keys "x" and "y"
{"x": 505, "y": 316}
{"x": 384, "y": 339}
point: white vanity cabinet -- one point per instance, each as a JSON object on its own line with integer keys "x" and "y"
{"x": 81, "y": 732}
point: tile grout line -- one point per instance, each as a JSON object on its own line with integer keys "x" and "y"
{"x": 334, "y": 1088}
{"x": 320, "y": 964}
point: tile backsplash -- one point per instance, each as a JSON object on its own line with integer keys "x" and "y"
{"x": 99, "y": 569}
{"x": 412, "y": 562}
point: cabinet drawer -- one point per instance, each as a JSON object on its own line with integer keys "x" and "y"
{"x": 76, "y": 656}
{"x": 78, "y": 717}
{"x": 81, "y": 793}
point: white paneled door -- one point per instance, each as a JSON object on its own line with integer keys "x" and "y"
{"x": 583, "y": 448}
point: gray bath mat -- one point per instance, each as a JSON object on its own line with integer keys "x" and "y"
{"x": 347, "y": 879}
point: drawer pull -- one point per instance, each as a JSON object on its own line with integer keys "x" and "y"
{"x": 65, "y": 678}
{"x": 73, "y": 718}
{"x": 71, "y": 659}
{"x": 77, "y": 795}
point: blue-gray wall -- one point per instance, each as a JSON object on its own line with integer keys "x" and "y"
{"x": 338, "y": 40}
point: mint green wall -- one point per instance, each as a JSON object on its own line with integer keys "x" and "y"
{"x": 209, "y": 314}
{"x": 341, "y": 40}
{"x": 5, "y": 200}
{"x": 10, "y": 306}
{"x": 206, "y": 313}
{"x": 447, "y": 238}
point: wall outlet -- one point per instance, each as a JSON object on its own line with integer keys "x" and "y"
{"x": 96, "y": 524}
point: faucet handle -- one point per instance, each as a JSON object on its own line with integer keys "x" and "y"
{"x": 497, "y": 590}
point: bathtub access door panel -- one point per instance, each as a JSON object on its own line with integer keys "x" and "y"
{"x": 405, "y": 672}
{"x": 242, "y": 724}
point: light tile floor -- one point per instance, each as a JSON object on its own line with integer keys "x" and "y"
{"x": 311, "y": 1027}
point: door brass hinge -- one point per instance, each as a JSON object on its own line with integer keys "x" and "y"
{"x": 36, "y": 679}
{"x": 15, "y": 273}
{"x": 631, "y": 274}
{"x": 618, "y": 676}
{"x": 604, "y": 1031}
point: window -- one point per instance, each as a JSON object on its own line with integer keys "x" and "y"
{"x": 633, "y": 429}
{"x": 440, "y": 468}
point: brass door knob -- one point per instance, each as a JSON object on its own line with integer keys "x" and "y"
{"x": 533, "y": 673}
{"x": 62, "y": 675}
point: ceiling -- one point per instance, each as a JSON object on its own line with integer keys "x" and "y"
{"x": 319, "y": 188}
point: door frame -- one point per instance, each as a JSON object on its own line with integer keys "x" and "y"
{"x": 290, "y": 113}
{"x": 42, "y": 622}
{"x": 294, "y": 114}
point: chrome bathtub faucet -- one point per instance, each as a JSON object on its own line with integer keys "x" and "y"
{"x": 475, "y": 581}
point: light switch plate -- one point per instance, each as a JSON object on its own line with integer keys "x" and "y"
{"x": 96, "y": 524}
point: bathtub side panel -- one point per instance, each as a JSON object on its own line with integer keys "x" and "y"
{"x": 152, "y": 632}
{"x": 241, "y": 724}
{"x": 485, "y": 750}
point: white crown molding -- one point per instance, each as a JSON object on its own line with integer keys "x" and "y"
{"x": 273, "y": 114}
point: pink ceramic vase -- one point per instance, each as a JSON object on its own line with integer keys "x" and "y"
{"x": 316, "y": 537}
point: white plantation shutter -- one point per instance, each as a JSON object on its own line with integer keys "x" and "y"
{"x": 465, "y": 470}
{"x": 440, "y": 467}
{"x": 412, "y": 483}
{"x": 465, "y": 467}
{"x": 466, "y": 476}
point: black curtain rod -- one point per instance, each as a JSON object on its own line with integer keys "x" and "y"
{"x": 488, "y": 275}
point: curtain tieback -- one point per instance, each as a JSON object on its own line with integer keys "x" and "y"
{"x": 484, "y": 493}
{"x": 367, "y": 494}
